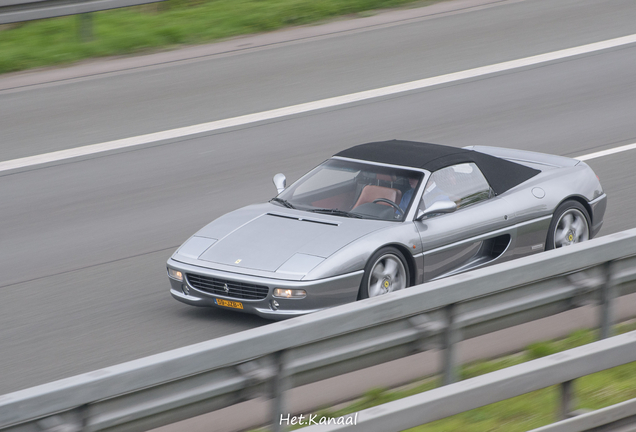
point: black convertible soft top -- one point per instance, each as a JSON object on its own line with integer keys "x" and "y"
{"x": 500, "y": 173}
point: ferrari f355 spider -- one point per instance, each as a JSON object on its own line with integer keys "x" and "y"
{"x": 383, "y": 216}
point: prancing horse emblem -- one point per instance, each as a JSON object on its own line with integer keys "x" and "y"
{"x": 226, "y": 288}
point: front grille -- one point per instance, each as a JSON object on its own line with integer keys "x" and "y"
{"x": 239, "y": 290}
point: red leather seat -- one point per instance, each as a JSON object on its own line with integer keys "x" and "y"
{"x": 371, "y": 193}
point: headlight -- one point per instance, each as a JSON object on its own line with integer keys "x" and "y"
{"x": 289, "y": 293}
{"x": 175, "y": 274}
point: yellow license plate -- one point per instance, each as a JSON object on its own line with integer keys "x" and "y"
{"x": 227, "y": 303}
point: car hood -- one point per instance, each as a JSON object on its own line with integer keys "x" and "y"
{"x": 268, "y": 240}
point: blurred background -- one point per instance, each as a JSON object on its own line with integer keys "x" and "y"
{"x": 84, "y": 239}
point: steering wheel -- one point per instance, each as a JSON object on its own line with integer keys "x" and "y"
{"x": 391, "y": 203}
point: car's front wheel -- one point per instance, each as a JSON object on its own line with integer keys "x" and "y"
{"x": 570, "y": 224}
{"x": 385, "y": 272}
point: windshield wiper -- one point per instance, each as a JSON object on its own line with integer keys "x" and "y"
{"x": 283, "y": 202}
{"x": 336, "y": 212}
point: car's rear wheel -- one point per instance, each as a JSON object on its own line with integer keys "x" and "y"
{"x": 385, "y": 272}
{"x": 570, "y": 224}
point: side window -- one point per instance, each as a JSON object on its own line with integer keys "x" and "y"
{"x": 462, "y": 183}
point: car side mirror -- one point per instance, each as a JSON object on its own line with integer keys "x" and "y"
{"x": 280, "y": 181}
{"x": 443, "y": 206}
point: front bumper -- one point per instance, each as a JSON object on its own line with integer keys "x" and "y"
{"x": 321, "y": 294}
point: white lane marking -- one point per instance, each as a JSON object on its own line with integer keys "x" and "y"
{"x": 606, "y": 152}
{"x": 312, "y": 106}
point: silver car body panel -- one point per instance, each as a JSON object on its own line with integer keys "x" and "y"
{"x": 269, "y": 241}
{"x": 521, "y": 156}
{"x": 278, "y": 247}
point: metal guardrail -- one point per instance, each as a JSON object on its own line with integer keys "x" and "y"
{"x": 12, "y": 11}
{"x": 614, "y": 418}
{"x": 504, "y": 384}
{"x": 197, "y": 379}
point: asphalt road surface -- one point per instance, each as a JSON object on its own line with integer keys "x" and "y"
{"x": 83, "y": 243}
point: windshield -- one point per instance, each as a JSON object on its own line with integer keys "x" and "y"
{"x": 354, "y": 189}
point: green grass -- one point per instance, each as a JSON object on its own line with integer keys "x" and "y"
{"x": 524, "y": 412}
{"x": 137, "y": 29}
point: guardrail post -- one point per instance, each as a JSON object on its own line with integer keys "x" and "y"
{"x": 567, "y": 404}
{"x": 280, "y": 384}
{"x": 450, "y": 338}
{"x": 607, "y": 303}
{"x": 85, "y": 27}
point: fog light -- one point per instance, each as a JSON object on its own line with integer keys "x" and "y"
{"x": 275, "y": 305}
{"x": 185, "y": 289}
{"x": 289, "y": 293}
{"x": 175, "y": 274}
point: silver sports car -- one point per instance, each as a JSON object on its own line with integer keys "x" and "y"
{"x": 382, "y": 216}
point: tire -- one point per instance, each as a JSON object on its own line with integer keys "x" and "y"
{"x": 386, "y": 271}
{"x": 570, "y": 224}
